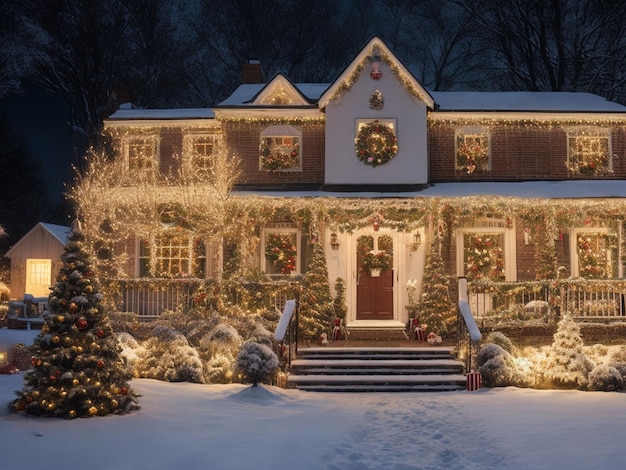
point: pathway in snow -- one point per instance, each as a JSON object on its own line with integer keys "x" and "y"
{"x": 424, "y": 432}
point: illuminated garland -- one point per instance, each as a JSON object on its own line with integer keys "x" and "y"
{"x": 484, "y": 258}
{"x": 376, "y": 144}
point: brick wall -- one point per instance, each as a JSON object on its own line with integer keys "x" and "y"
{"x": 244, "y": 141}
{"x": 522, "y": 152}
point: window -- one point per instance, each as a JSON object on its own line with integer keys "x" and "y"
{"x": 281, "y": 250}
{"x": 487, "y": 251}
{"x": 472, "y": 150}
{"x": 38, "y": 276}
{"x": 142, "y": 153}
{"x": 595, "y": 253}
{"x": 174, "y": 253}
{"x": 201, "y": 150}
{"x": 589, "y": 151}
{"x": 280, "y": 149}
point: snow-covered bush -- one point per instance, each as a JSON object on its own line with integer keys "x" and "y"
{"x": 257, "y": 362}
{"x": 130, "y": 350}
{"x": 567, "y": 364}
{"x": 606, "y": 379}
{"x": 499, "y": 338}
{"x": 497, "y": 367}
{"x": 168, "y": 356}
{"x": 219, "y": 368}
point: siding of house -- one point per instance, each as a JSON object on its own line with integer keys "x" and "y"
{"x": 37, "y": 244}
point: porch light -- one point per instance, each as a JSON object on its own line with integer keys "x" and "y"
{"x": 334, "y": 241}
{"x": 417, "y": 241}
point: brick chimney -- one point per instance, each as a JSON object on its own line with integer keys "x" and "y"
{"x": 253, "y": 72}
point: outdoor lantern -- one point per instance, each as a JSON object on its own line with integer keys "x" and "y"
{"x": 417, "y": 241}
{"x": 334, "y": 241}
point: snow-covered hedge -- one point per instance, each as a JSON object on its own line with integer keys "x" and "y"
{"x": 605, "y": 378}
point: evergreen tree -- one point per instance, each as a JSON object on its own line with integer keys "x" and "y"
{"x": 434, "y": 306}
{"x": 339, "y": 303}
{"x": 316, "y": 303}
{"x": 568, "y": 366}
{"x": 78, "y": 370}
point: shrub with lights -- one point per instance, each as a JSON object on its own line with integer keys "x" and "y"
{"x": 77, "y": 369}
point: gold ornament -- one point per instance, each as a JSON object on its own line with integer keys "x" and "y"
{"x": 92, "y": 411}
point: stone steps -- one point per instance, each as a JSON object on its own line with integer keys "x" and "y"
{"x": 363, "y": 369}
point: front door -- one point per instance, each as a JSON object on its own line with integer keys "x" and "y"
{"x": 375, "y": 277}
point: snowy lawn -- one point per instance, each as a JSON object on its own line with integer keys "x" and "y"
{"x": 191, "y": 426}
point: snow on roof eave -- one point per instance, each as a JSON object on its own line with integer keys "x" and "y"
{"x": 569, "y": 189}
{"x": 387, "y": 57}
{"x": 272, "y": 112}
{"x": 564, "y": 115}
{"x": 161, "y": 114}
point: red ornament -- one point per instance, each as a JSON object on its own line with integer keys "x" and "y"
{"x": 100, "y": 333}
{"x": 123, "y": 390}
{"x": 375, "y": 73}
{"x": 82, "y": 323}
{"x": 100, "y": 364}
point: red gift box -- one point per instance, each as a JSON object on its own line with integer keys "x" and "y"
{"x": 474, "y": 380}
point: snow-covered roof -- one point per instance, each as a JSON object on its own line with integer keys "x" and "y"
{"x": 529, "y": 101}
{"x": 245, "y": 94}
{"x": 176, "y": 113}
{"x": 575, "y": 189}
{"x": 60, "y": 232}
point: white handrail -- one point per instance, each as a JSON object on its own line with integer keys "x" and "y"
{"x": 285, "y": 318}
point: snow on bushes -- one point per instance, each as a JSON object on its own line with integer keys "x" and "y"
{"x": 497, "y": 367}
{"x": 168, "y": 356}
{"x": 499, "y": 338}
{"x": 605, "y": 378}
{"x": 257, "y": 362}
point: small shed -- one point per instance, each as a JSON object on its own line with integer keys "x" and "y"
{"x": 35, "y": 258}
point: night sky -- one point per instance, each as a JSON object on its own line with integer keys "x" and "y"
{"x": 41, "y": 119}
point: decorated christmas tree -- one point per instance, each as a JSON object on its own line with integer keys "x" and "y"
{"x": 77, "y": 369}
{"x": 316, "y": 303}
{"x": 434, "y": 306}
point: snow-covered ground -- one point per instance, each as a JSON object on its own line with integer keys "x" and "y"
{"x": 190, "y": 426}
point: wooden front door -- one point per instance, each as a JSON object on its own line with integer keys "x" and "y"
{"x": 375, "y": 292}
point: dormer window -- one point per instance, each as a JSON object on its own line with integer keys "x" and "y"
{"x": 280, "y": 149}
{"x": 589, "y": 151}
{"x": 472, "y": 150}
{"x": 141, "y": 152}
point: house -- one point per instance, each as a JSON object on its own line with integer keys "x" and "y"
{"x": 507, "y": 188}
{"x": 35, "y": 258}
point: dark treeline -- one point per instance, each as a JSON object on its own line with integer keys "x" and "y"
{"x": 96, "y": 54}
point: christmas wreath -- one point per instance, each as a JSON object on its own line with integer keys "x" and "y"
{"x": 281, "y": 251}
{"x": 279, "y": 155}
{"x": 376, "y": 144}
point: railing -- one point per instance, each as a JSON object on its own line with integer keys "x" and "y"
{"x": 547, "y": 300}
{"x": 468, "y": 334}
{"x": 148, "y": 298}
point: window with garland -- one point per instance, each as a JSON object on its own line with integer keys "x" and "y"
{"x": 472, "y": 150}
{"x": 483, "y": 256}
{"x": 200, "y": 149}
{"x": 280, "y": 149}
{"x": 589, "y": 152}
{"x": 596, "y": 253}
{"x": 173, "y": 254}
{"x": 141, "y": 153}
{"x": 281, "y": 251}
